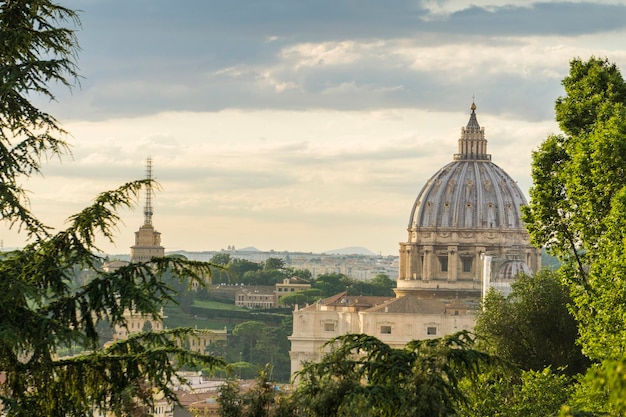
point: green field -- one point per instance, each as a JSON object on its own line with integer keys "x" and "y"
{"x": 217, "y": 305}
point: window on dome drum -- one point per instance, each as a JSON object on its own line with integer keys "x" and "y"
{"x": 467, "y": 264}
{"x": 385, "y": 329}
{"x": 329, "y": 327}
{"x": 443, "y": 261}
{"x": 431, "y": 331}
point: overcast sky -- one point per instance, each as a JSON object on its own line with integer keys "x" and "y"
{"x": 305, "y": 125}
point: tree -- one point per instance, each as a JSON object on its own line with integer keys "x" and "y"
{"x": 593, "y": 88}
{"x": 532, "y": 327}
{"x": 301, "y": 298}
{"x": 384, "y": 282}
{"x": 577, "y": 207}
{"x": 229, "y": 399}
{"x": 43, "y": 309}
{"x": 331, "y": 284}
{"x": 503, "y": 393}
{"x": 363, "y": 376}
{"x": 577, "y": 175}
{"x": 577, "y": 200}
{"x": 238, "y": 268}
{"x": 261, "y": 400}
{"x": 35, "y": 53}
{"x": 274, "y": 264}
{"x": 249, "y": 332}
{"x": 223, "y": 259}
{"x": 304, "y": 274}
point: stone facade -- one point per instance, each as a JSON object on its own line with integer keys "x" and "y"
{"x": 394, "y": 321}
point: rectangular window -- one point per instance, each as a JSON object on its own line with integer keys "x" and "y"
{"x": 443, "y": 261}
{"x": 431, "y": 331}
{"x": 467, "y": 264}
{"x": 385, "y": 329}
{"x": 329, "y": 327}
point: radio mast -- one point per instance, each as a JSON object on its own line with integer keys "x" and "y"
{"x": 147, "y": 211}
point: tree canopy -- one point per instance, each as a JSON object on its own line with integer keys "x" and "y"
{"x": 576, "y": 175}
{"x": 577, "y": 211}
{"x": 43, "y": 308}
{"x": 363, "y": 376}
{"x": 532, "y": 327}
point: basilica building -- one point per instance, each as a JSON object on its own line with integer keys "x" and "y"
{"x": 466, "y": 214}
{"x": 465, "y": 234}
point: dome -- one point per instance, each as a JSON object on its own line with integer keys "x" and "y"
{"x": 471, "y": 192}
{"x": 468, "y": 211}
{"x": 511, "y": 269}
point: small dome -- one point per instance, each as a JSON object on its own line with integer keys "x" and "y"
{"x": 511, "y": 269}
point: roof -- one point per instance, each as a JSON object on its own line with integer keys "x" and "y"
{"x": 360, "y": 302}
{"x": 471, "y": 192}
{"x": 411, "y": 305}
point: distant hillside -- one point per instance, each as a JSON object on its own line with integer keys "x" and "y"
{"x": 248, "y": 249}
{"x": 352, "y": 250}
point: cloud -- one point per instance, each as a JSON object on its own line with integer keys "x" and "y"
{"x": 284, "y": 124}
{"x": 275, "y": 54}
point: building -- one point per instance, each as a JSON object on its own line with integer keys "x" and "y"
{"x": 289, "y": 286}
{"x": 465, "y": 234}
{"x": 256, "y": 297}
{"x": 267, "y": 296}
{"x": 147, "y": 239}
{"x": 468, "y": 212}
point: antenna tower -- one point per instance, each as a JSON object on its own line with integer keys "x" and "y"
{"x": 147, "y": 211}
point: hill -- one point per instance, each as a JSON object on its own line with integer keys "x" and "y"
{"x": 352, "y": 250}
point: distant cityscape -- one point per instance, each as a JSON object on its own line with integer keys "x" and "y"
{"x": 354, "y": 262}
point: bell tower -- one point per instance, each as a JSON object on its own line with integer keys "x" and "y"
{"x": 147, "y": 239}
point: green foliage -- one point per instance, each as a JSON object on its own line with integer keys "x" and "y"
{"x": 36, "y": 50}
{"x": 532, "y": 327}
{"x": 262, "y": 400}
{"x": 331, "y": 284}
{"x": 593, "y": 89}
{"x": 223, "y": 259}
{"x": 384, "y": 282}
{"x": 602, "y": 391}
{"x": 363, "y": 376}
{"x": 576, "y": 177}
{"x": 259, "y": 345}
{"x": 274, "y": 264}
{"x": 601, "y": 311}
{"x": 334, "y": 283}
{"x": 304, "y": 274}
{"x": 500, "y": 393}
{"x": 301, "y": 298}
{"x": 229, "y": 399}
{"x": 44, "y": 309}
{"x": 577, "y": 209}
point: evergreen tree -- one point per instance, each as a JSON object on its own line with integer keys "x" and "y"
{"x": 365, "y": 377}
{"x": 42, "y": 309}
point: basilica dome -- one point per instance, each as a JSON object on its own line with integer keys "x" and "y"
{"x": 467, "y": 212}
{"x": 471, "y": 191}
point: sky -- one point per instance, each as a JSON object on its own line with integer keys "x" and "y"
{"x": 303, "y": 125}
